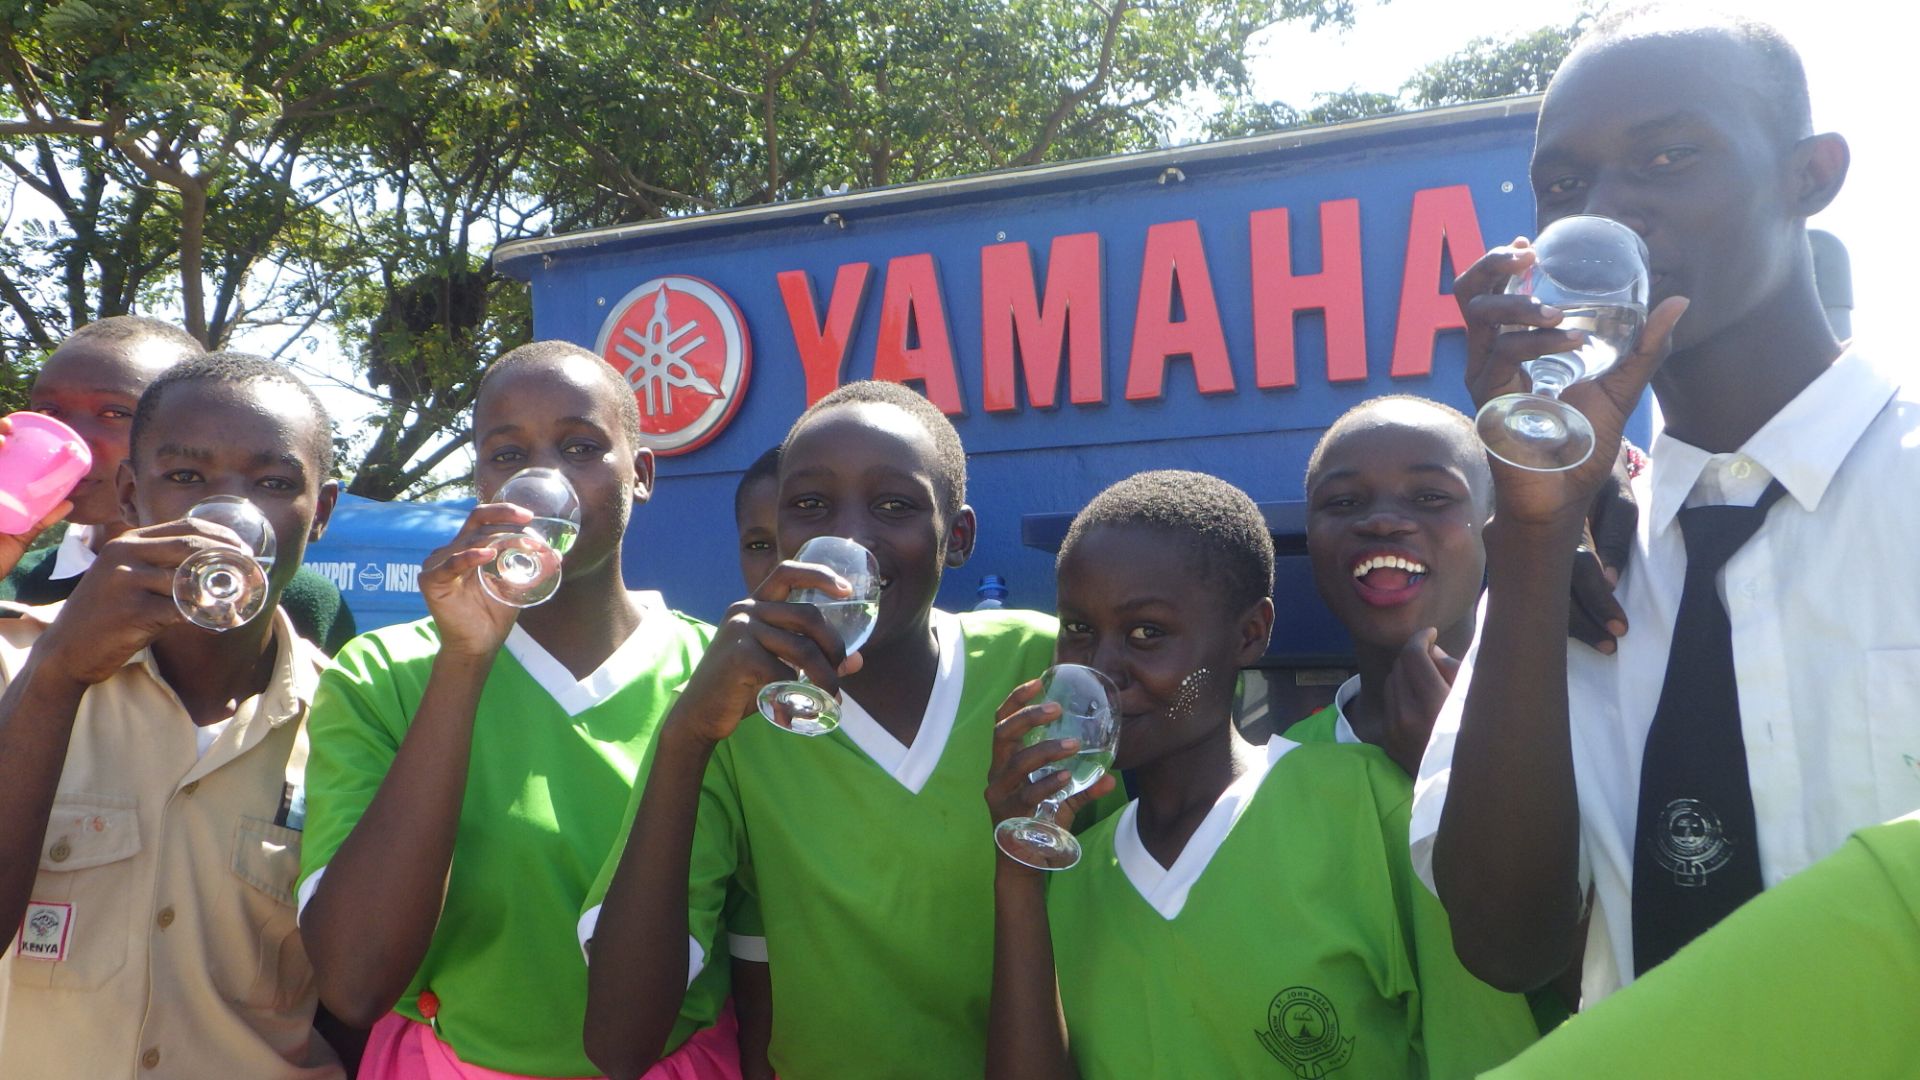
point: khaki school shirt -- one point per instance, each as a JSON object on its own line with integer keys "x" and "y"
{"x": 160, "y": 938}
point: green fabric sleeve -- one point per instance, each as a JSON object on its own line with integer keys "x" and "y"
{"x": 355, "y": 728}
{"x": 1817, "y": 976}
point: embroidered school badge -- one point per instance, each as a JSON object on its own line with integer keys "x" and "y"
{"x": 46, "y": 930}
{"x": 1688, "y": 841}
{"x": 1303, "y": 1032}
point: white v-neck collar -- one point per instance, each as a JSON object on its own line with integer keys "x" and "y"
{"x": 615, "y": 672}
{"x": 913, "y": 765}
{"x": 1165, "y": 888}
{"x": 1343, "y": 729}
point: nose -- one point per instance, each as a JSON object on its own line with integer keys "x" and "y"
{"x": 1384, "y": 522}
{"x": 1109, "y": 659}
{"x": 1612, "y": 195}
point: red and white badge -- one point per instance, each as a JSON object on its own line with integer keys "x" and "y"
{"x": 682, "y": 345}
{"x": 46, "y": 931}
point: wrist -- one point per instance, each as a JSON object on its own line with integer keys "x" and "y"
{"x": 683, "y": 739}
{"x": 50, "y": 681}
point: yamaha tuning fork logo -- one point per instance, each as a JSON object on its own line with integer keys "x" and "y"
{"x": 682, "y": 346}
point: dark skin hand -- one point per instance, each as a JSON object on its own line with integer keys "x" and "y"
{"x": 122, "y": 606}
{"x": 1526, "y": 903}
{"x": 1025, "y": 1007}
{"x": 1596, "y": 618}
{"x": 637, "y": 975}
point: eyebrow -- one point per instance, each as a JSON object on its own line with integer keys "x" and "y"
{"x": 888, "y": 471}
{"x": 1424, "y": 467}
{"x": 191, "y": 453}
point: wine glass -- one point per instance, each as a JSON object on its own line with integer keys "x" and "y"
{"x": 221, "y": 589}
{"x": 798, "y": 705}
{"x": 1594, "y": 270}
{"x": 1089, "y": 712}
{"x": 525, "y": 568}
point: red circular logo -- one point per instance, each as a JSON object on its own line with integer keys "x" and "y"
{"x": 682, "y": 346}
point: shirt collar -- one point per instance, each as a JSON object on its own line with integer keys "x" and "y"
{"x": 75, "y": 553}
{"x": 1802, "y": 446}
{"x": 297, "y": 664}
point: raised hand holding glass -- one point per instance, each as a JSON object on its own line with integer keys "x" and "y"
{"x": 525, "y": 568}
{"x": 221, "y": 589}
{"x": 1594, "y": 270}
{"x": 1089, "y": 712}
{"x": 798, "y": 705}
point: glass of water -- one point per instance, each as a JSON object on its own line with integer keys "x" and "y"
{"x": 224, "y": 589}
{"x": 798, "y": 705}
{"x": 1594, "y": 270}
{"x": 1089, "y": 712}
{"x": 525, "y": 568}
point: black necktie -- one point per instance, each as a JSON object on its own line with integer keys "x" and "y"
{"x": 1696, "y": 852}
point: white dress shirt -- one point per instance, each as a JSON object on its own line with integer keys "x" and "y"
{"x": 75, "y": 553}
{"x": 1825, "y": 607}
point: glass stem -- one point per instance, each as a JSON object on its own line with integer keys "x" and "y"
{"x": 1550, "y": 375}
{"x": 1046, "y": 810}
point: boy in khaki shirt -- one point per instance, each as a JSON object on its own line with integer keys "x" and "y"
{"x": 151, "y": 771}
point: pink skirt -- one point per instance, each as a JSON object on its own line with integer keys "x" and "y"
{"x": 401, "y": 1048}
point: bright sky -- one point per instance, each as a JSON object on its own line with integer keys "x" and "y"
{"x": 1852, "y": 50}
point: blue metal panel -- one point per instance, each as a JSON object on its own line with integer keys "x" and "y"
{"x": 1043, "y": 462}
{"x": 373, "y": 550}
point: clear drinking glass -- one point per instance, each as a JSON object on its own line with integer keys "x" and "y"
{"x": 1089, "y": 711}
{"x": 224, "y": 589}
{"x": 1594, "y": 270}
{"x": 525, "y": 568}
{"x": 798, "y": 705}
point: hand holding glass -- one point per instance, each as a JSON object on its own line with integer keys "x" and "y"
{"x": 1594, "y": 270}
{"x": 1089, "y": 712}
{"x": 222, "y": 589}
{"x": 525, "y": 568}
{"x": 798, "y": 705}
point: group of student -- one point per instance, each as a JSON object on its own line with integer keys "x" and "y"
{"x": 558, "y": 842}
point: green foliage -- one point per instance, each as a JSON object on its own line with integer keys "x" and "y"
{"x": 1486, "y": 68}
{"x": 256, "y": 163}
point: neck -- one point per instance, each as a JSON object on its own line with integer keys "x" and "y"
{"x": 1715, "y": 395}
{"x": 106, "y": 531}
{"x": 212, "y": 673}
{"x": 896, "y": 676}
{"x": 1179, "y": 790}
{"x": 1367, "y": 712}
{"x": 590, "y": 616}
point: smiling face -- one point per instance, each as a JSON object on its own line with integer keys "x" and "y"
{"x": 1394, "y": 524}
{"x": 93, "y": 387}
{"x": 255, "y": 440}
{"x": 867, "y": 472}
{"x": 1142, "y": 609}
{"x": 558, "y": 412}
{"x": 1669, "y": 135}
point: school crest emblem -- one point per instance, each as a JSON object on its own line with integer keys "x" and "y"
{"x": 1689, "y": 841}
{"x": 682, "y": 345}
{"x": 1303, "y": 1033}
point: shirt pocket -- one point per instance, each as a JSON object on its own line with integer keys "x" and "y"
{"x": 266, "y": 857}
{"x": 1893, "y": 721}
{"x": 87, "y": 864}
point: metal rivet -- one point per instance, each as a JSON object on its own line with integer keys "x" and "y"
{"x": 1506, "y": 187}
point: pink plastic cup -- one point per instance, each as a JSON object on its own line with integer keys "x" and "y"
{"x": 39, "y": 464}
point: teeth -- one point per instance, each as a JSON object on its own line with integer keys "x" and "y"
{"x": 1388, "y": 562}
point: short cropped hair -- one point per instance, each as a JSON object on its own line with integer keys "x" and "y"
{"x": 1786, "y": 108}
{"x": 1207, "y": 519}
{"x": 115, "y": 330}
{"x": 764, "y": 467}
{"x": 1457, "y": 426}
{"x": 950, "y": 458}
{"x": 233, "y": 369}
{"x": 545, "y": 353}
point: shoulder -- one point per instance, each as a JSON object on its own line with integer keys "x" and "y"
{"x": 1357, "y": 776}
{"x": 387, "y": 649}
{"x": 1317, "y": 728}
{"x": 1008, "y": 628}
{"x": 31, "y": 581}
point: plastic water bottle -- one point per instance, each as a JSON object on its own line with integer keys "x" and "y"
{"x": 992, "y": 592}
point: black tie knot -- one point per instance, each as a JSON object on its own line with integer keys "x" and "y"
{"x": 1714, "y": 533}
